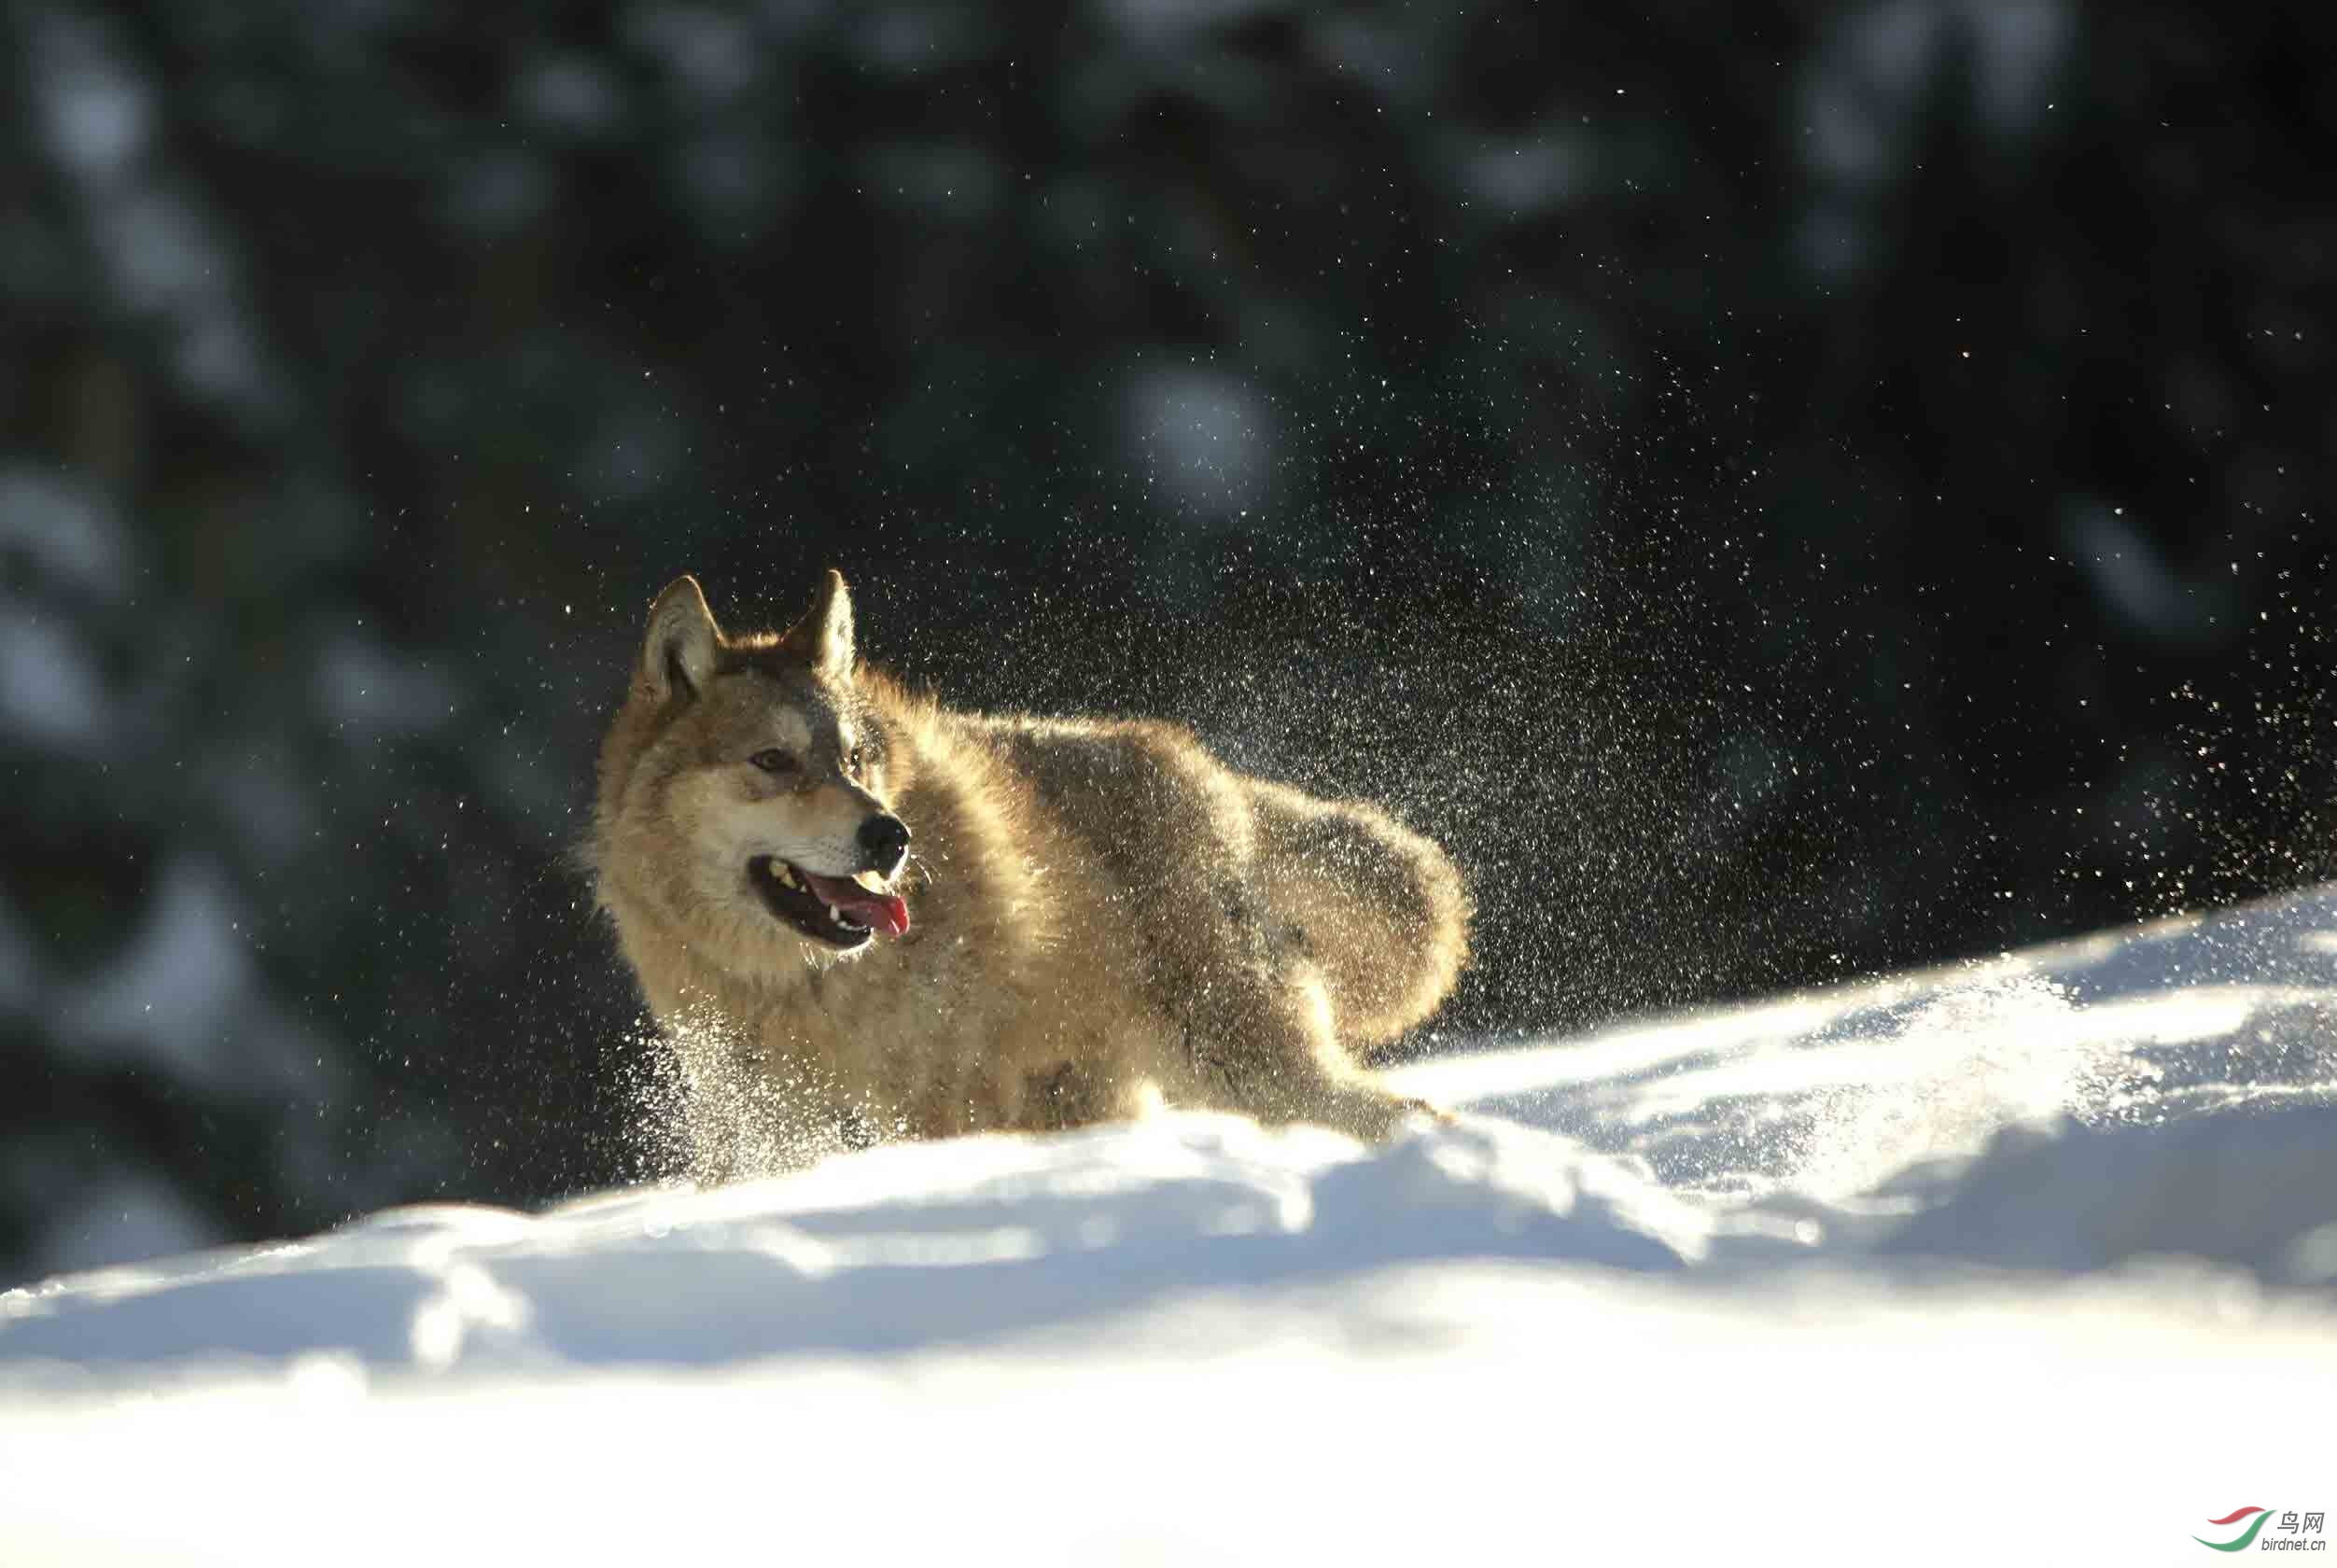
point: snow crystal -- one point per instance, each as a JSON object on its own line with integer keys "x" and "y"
{"x": 1203, "y": 434}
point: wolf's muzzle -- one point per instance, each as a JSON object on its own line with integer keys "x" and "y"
{"x": 884, "y": 840}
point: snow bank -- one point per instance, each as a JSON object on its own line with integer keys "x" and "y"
{"x": 2026, "y": 1260}
{"x": 896, "y": 1248}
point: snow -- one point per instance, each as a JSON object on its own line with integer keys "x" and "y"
{"x": 65, "y": 537}
{"x": 2029, "y": 1260}
{"x": 50, "y": 691}
{"x": 182, "y": 1000}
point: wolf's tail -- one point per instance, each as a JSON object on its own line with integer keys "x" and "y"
{"x": 1380, "y": 910}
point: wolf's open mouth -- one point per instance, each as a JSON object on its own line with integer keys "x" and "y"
{"x": 836, "y": 910}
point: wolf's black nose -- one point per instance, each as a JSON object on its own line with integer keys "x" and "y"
{"x": 884, "y": 840}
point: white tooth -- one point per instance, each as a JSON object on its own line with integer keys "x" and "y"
{"x": 834, "y": 916}
{"x": 787, "y": 878}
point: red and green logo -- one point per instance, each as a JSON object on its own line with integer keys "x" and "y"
{"x": 2246, "y": 1538}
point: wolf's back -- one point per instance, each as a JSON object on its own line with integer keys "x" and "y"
{"x": 1385, "y": 915}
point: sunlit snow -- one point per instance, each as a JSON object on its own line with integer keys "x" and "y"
{"x": 2025, "y": 1261}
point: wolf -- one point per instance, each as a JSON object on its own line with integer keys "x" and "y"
{"x": 858, "y": 914}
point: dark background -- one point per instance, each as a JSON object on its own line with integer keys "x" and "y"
{"x": 1784, "y": 491}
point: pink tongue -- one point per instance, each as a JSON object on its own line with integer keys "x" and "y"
{"x": 885, "y": 911}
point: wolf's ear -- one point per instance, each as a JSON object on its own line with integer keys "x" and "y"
{"x": 824, "y": 637}
{"x": 677, "y": 655}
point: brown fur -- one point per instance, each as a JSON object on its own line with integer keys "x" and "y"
{"x": 1102, "y": 913}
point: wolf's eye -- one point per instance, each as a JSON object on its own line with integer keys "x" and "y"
{"x": 773, "y": 761}
{"x": 853, "y": 761}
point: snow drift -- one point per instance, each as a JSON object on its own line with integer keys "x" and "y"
{"x": 2025, "y": 1259}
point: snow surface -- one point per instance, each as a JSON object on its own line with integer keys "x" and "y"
{"x": 2029, "y": 1261}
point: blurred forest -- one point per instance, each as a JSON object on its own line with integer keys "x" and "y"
{"x": 1785, "y": 491}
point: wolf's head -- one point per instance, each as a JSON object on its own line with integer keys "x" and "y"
{"x": 744, "y": 790}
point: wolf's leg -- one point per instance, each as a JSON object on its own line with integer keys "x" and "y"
{"x": 711, "y": 1145}
{"x": 1260, "y": 1042}
{"x": 1068, "y": 1096}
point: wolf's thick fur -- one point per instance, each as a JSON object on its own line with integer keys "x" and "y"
{"x": 1101, "y": 913}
